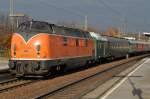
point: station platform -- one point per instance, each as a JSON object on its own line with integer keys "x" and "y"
{"x": 3, "y": 64}
{"x": 134, "y": 85}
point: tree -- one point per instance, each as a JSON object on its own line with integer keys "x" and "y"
{"x": 112, "y": 31}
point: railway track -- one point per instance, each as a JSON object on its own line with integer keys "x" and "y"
{"x": 80, "y": 87}
{"x": 71, "y": 86}
{"x": 13, "y": 83}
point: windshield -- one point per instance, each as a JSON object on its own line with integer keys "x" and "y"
{"x": 34, "y": 26}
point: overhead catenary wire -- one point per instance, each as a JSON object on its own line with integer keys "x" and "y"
{"x": 121, "y": 16}
{"x": 101, "y": 2}
{"x": 78, "y": 13}
{"x": 62, "y": 8}
{"x": 82, "y": 14}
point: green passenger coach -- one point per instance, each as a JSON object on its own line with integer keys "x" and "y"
{"x": 101, "y": 46}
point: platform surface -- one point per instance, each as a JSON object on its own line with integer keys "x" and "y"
{"x": 3, "y": 64}
{"x": 134, "y": 86}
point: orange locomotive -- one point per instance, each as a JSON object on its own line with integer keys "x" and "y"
{"x": 39, "y": 48}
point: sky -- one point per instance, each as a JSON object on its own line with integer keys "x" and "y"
{"x": 128, "y": 15}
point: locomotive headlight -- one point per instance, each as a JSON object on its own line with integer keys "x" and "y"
{"x": 38, "y": 48}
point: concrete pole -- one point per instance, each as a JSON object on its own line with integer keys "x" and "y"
{"x": 139, "y": 36}
{"x": 86, "y": 23}
{"x": 11, "y": 13}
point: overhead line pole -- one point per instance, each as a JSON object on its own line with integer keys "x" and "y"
{"x": 124, "y": 18}
{"x": 86, "y": 23}
{"x": 11, "y": 13}
{"x": 11, "y": 7}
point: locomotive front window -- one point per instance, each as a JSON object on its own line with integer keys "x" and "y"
{"x": 24, "y": 27}
{"x": 34, "y": 26}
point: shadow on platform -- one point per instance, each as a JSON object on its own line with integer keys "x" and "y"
{"x": 135, "y": 91}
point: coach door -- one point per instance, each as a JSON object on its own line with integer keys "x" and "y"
{"x": 106, "y": 49}
{"x": 103, "y": 49}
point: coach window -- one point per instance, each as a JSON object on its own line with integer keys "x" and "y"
{"x": 65, "y": 41}
{"x": 100, "y": 46}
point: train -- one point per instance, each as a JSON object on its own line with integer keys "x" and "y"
{"x": 39, "y": 48}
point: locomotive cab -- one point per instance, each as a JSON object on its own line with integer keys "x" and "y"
{"x": 29, "y": 47}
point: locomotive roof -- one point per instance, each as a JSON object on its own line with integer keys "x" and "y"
{"x": 38, "y": 22}
{"x": 98, "y": 36}
{"x": 64, "y": 27}
{"x": 52, "y": 28}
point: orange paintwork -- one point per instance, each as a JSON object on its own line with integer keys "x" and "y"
{"x": 52, "y": 46}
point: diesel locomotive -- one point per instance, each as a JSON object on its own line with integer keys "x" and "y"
{"x": 40, "y": 48}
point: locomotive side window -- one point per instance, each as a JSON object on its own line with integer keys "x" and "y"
{"x": 82, "y": 34}
{"x": 77, "y": 42}
{"x": 65, "y": 41}
{"x": 60, "y": 31}
{"x": 77, "y": 33}
{"x": 57, "y": 30}
{"x": 63, "y": 32}
{"x": 73, "y": 33}
{"x": 68, "y": 32}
